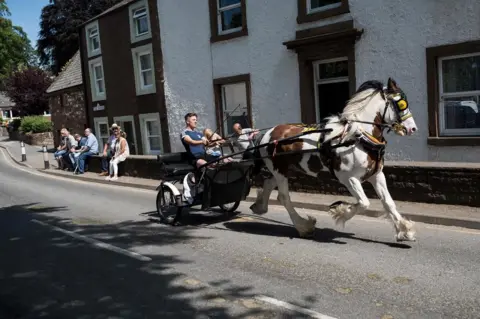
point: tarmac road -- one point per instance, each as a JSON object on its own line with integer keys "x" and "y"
{"x": 108, "y": 257}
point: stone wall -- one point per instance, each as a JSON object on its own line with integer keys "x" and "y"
{"x": 37, "y": 138}
{"x": 427, "y": 182}
{"x": 68, "y": 111}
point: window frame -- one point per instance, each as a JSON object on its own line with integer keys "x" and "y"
{"x": 216, "y": 34}
{"x": 144, "y": 133}
{"x": 134, "y": 37}
{"x": 136, "y": 53}
{"x": 219, "y": 106}
{"x": 433, "y": 56}
{"x": 316, "y": 82}
{"x": 306, "y": 14}
{"x": 93, "y": 80}
{"x": 88, "y": 28}
{"x": 97, "y": 121}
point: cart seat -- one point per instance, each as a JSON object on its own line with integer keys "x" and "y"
{"x": 176, "y": 164}
{"x": 178, "y": 169}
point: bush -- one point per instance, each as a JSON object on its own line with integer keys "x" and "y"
{"x": 35, "y": 124}
{"x": 14, "y": 125}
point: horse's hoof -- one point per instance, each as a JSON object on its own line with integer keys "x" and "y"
{"x": 307, "y": 235}
{"x": 254, "y": 208}
{"x": 334, "y": 205}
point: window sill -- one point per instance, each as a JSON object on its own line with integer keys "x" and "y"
{"x": 228, "y": 36}
{"x": 454, "y": 141}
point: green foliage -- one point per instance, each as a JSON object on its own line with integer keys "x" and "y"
{"x": 14, "y": 125}
{"x": 15, "y": 48}
{"x": 27, "y": 88}
{"x": 59, "y": 22}
{"x": 35, "y": 124}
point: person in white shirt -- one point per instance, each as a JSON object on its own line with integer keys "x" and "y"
{"x": 245, "y": 138}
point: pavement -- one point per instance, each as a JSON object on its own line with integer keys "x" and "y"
{"x": 446, "y": 215}
{"x": 76, "y": 249}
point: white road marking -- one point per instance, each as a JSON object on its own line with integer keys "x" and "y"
{"x": 95, "y": 243}
{"x": 289, "y": 306}
{"x": 33, "y": 171}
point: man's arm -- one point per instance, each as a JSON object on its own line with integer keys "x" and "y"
{"x": 189, "y": 140}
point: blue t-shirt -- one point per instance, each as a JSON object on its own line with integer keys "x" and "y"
{"x": 195, "y": 150}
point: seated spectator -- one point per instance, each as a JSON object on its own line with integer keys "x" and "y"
{"x": 122, "y": 151}
{"x": 108, "y": 151}
{"x": 77, "y": 150}
{"x": 68, "y": 142}
{"x": 91, "y": 148}
{"x": 61, "y": 148}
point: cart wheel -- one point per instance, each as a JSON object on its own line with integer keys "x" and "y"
{"x": 166, "y": 207}
{"x": 230, "y": 207}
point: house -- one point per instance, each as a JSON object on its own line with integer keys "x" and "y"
{"x": 6, "y": 107}
{"x": 67, "y": 99}
{"x": 268, "y": 62}
{"x": 122, "y": 62}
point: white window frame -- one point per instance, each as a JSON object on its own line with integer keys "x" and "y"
{"x": 128, "y": 118}
{"x": 219, "y": 17}
{"x": 238, "y": 110}
{"x": 323, "y": 8}
{"x": 93, "y": 81}
{"x": 441, "y": 105}
{"x": 133, "y": 27}
{"x": 144, "y": 132}
{"x": 317, "y": 80}
{"x": 90, "y": 51}
{"x": 96, "y": 123}
{"x": 136, "y": 53}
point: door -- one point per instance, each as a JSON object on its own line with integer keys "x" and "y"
{"x": 127, "y": 125}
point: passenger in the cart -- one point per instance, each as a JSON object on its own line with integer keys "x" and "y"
{"x": 194, "y": 141}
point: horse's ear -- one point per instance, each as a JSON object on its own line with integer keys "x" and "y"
{"x": 392, "y": 85}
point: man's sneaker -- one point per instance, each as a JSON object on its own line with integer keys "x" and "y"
{"x": 103, "y": 174}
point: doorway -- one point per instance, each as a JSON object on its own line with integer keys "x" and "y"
{"x": 331, "y": 86}
{"x": 127, "y": 125}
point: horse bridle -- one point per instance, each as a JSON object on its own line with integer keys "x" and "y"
{"x": 399, "y": 100}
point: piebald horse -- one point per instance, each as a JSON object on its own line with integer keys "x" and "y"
{"x": 353, "y": 151}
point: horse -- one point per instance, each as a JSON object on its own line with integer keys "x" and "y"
{"x": 352, "y": 149}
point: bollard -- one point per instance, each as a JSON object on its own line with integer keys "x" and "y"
{"x": 24, "y": 154}
{"x": 45, "y": 157}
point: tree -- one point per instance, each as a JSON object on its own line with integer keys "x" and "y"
{"x": 26, "y": 88}
{"x": 15, "y": 48}
{"x": 59, "y": 22}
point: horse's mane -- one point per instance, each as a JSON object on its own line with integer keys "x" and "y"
{"x": 355, "y": 105}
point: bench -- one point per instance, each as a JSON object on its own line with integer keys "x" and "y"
{"x": 176, "y": 164}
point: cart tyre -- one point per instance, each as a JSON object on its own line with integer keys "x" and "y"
{"x": 230, "y": 209}
{"x": 166, "y": 216}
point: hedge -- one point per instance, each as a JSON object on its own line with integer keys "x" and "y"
{"x": 35, "y": 124}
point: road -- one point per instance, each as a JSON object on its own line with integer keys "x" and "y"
{"x": 72, "y": 249}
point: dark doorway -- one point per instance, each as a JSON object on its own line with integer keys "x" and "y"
{"x": 332, "y": 98}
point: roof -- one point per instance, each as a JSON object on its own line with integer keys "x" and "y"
{"x": 109, "y": 10}
{"x": 70, "y": 76}
{"x": 5, "y": 100}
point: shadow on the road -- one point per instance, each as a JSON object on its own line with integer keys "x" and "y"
{"x": 322, "y": 235}
{"x": 45, "y": 273}
{"x": 197, "y": 217}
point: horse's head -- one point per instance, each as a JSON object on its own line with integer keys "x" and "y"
{"x": 397, "y": 111}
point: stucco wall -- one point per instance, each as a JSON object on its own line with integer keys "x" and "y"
{"x": 393, "y": 44}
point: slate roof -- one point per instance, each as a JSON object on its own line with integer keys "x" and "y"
{"x": 70, "y": 76}
{"x": 113, "y": 8}
{"x": 5, "y": 102}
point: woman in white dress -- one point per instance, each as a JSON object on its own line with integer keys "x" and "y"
{"x": 121, "y": 150}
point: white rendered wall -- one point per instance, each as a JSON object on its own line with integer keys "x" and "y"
{"x": 393, "y": 44}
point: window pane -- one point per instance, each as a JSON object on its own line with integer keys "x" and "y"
{"x": 142, "y": 25}
{"x": 100, "y": 85}
{"x": 95, "y": 43}
{"x": 232, "y": 18}
{"x": 103, "y": 129}
{"x": 461, "y": 74}
{"x": 333, "y": 70}
{"x": 145, "y": 62}
{"x": 462, "y": 112}
{"x": 233, "y": 95}
{"x": 153, "y": 128}
{"x": 314, "y": 4}
{"x": 154, "y": 143}
{"x": 224, "y": 3}
{"x": 140, "y": 12}
{"x": 98, "y": 72}
{"x": 147, "y": 78}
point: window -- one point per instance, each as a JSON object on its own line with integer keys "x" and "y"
{"x": 314, "y": 10}
{"x": 151, "y": 133}
{"x": 330, "y": 76}
{"x": 453, "y": 76}
{"x": 139, "y": 21}
{"x": 233, "y": 96}
{"x": 143, "y": 66}
{"x": 227, "y": 19}
{"x": 92, "y": 35}
{"x": 102, "y": 131}
{"x": 97, "y": 79}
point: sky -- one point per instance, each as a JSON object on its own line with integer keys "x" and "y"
{"x": 26, "y": 14}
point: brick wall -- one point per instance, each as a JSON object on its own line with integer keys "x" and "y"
{"x": 427, "y": 182}
{"x": 67, "y": 110}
